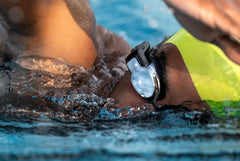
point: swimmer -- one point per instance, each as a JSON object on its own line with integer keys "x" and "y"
{"x": 195, "y": 74}
{"x": 56, "y": 29}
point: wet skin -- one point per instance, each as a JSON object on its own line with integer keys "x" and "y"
{"x": 54, "y": 28}
{"x": 179, "y": 91}
{"x": 212, "y": 21}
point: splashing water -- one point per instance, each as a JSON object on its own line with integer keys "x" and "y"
{"x": 47, "y": 87}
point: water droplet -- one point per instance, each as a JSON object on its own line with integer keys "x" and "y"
{"x": 16, "y": 14}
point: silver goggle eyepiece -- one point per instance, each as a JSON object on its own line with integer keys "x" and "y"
{"x": 144, "y": 77}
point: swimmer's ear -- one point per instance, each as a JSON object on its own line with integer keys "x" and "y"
{"x": 219, "y": 15}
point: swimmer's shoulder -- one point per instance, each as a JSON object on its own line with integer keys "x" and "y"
{"x": 111, "y": 43}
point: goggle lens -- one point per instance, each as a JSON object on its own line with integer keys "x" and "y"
{"x": 143, "y": 82}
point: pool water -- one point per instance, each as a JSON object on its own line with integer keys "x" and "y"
{"x": 86, "y": 126}
{"x": 170, "y": 135}
{"x": 136, "y": 20}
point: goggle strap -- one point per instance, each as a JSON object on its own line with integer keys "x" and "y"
{"x": 155, "y": 57}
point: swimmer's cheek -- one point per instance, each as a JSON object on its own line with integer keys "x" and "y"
{"x": 125, "y": 95}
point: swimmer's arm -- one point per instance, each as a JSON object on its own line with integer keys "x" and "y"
{"x": 220, "y": 16}
{"x": 212, "y": 21}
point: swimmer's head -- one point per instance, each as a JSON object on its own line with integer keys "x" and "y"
{"x": 175, "y": 80}
{"x": 212, "y": 21}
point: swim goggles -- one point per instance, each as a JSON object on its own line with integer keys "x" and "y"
{"x": 145, "y": 77}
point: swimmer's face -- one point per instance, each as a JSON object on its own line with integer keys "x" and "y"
{"x": 179, "y": 89}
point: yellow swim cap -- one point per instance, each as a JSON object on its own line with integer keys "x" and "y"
{"x": 215, "y": 76}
